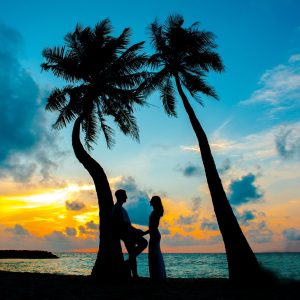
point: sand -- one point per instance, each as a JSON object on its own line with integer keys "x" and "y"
{"x": 30, "y": 286}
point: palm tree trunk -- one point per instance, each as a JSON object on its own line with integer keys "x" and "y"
{"x": 242, "y": 263}
{"x": 110, "y": 259}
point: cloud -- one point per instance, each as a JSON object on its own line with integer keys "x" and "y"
{"x": 20, "y": 171}
{"x": 243, "y": 190}
{"x": 280, "y": 87}
{"x": 18, "y": 230}
{"x": 261, "y": 234}
{"x": 178, "y": 240}
{"x": 251, "y": 147}
{"x": 196, "y": 203}
{"x": 209, "y": 225}
{"x": 265, "y": 145}
{"x": 187, "y": 220}
{"x": 58, "y": 241}
{"x": 19, "y": 98}
{"x": 191, "y": 170}
{"x": 294, "y": 58}
{"x": 91, "y": 225}
{"x": 246, "y": 217}
{"x": 74, "y": 205}
{"x": 226, "y": 165}
{"x": 70, "y": 231}
{"x": 18, "y": 237}
{"x": 291, "y": 234}
{"x": 190, "y": 218}
{"x": 165, "y": 231}
{"x": 82, "y": 229}
{"x": 56, "y": 236}
{"x": 181, "y": 240}
{"x": 24, "y": 132}
{"x": 90, "y": 228}
{"x": 288, "y": 142}
{"x": 137, "y": 205}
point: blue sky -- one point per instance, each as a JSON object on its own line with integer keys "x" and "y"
{"x": 253, "y": 129}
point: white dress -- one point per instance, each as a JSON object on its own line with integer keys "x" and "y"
{"x": 156, "y": 262}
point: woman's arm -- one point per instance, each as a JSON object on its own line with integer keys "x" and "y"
{"x": 146, "y": 232}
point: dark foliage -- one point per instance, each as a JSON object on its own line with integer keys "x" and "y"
{"x": 188, "y": 53}
{"x": 104, "y": 74}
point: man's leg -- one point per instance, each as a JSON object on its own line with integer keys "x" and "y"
{"x": 130, "y": 246}
{"x": 140, "y": 245}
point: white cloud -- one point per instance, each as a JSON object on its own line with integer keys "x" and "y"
{"x": 294, "y": 58}
{"x": 259, "y": 146}
{"x": 280, "y": 87}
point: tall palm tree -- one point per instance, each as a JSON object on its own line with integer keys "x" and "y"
{"x": 103, "y": 74}
{"x": 186, "y": 55}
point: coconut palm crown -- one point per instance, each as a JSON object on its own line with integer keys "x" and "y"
{"x": 103, "y": 74}
{"x": 186, "y": 53}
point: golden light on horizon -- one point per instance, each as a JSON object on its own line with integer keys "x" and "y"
{"x": 44, "y": 211}
{"x": 47, "y": 197}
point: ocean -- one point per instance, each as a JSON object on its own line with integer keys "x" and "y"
{"x": 285, "y": 265}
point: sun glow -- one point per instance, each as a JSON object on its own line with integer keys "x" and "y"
{"x": 43, "y": 211}
{"x": 47, "y": 198}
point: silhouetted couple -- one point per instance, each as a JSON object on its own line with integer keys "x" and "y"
{"x": 133, "y": 238}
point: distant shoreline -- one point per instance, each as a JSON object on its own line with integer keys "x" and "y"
{"x": 29, "y": 254}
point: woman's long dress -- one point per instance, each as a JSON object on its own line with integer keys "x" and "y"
{"x": 156, "y": 262}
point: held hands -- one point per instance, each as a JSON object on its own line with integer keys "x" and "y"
{"x": 145, "y": 232}
{"x": 139, "y": 231}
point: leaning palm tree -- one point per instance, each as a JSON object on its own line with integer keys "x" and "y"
{"x": 185, "y": 55}
{"x": 103, "y": 73}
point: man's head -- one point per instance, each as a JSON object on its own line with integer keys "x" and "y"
{"x": 121, "y": 196}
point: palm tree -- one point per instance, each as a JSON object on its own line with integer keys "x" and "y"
{"x": 185, "y": 55}
{"x": 103, "y": 73}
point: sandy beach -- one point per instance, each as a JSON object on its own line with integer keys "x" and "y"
{"x": 47, "y": 286}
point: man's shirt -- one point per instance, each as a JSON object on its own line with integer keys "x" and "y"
{"x": 121, "y": 220}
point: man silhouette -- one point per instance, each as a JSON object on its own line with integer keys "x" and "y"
{"x": 131, "y": 236}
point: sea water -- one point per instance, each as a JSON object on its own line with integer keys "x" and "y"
{"x": 285, "y": 265}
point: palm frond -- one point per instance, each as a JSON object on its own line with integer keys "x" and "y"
{"x": 155, "y": 61}
{"x": 153, "y": 81}
{"x": 129, "y": 62}
{"x": 129, "y": 126}
{"x": 157, "y": 37}
{"x": 57, "y": 99}
{"x": 168, "y": 97}
{"x": 108, "y": 132}
{"x": 69, "y": 111}
{"x": 121, "y": 42}
{"x": 211, "y": 61}
{"x": 195, "y": 84}
{"x": 66, "y": 115}
{"x": 174, "y": 21}
{"x": 61, "y": 63}
{"x": 102, "y": 29}
{"x": 89, "y": 127}
{"x": 71, "y": 38}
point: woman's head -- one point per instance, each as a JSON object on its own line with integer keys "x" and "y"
{"x": 156, "y": 203}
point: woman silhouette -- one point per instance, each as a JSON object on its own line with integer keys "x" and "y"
{"x": 155, "y": 258}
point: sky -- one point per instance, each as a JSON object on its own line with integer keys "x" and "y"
{"x": 47, "y": 199}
